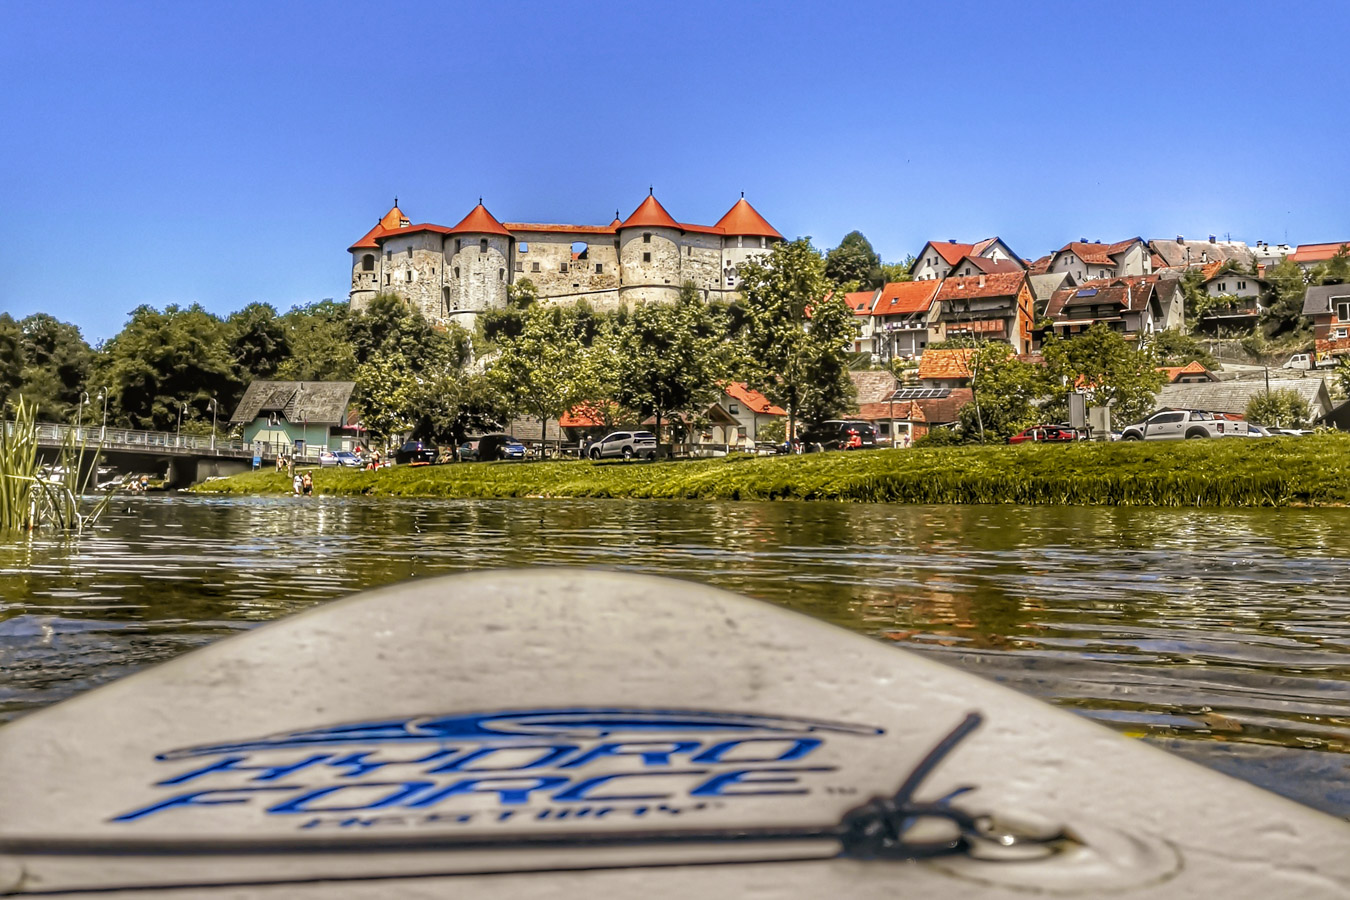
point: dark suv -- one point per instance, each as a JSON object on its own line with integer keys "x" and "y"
{"x": 839, "y": 434}
{"x": 415, "y": 453}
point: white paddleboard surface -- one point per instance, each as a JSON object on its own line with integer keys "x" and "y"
{"x": 360, "y": 749}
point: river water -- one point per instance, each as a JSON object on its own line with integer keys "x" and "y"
{"x": 1222, "y": 636}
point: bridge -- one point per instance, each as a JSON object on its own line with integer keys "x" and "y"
{"x": 184, "y": 458}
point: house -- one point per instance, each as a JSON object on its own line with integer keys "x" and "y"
{"x": 1127, "y": 305}
{"x": 946, "y": 368}
{"x": 1328, "y": 306}
{"x": 860, "y": 302}
{"x": 1238, "y": 299}
{"x": 902, "y": 319}
{"x": 995, "y": 307}
{"x": 1184, "y": 254}
{"x": 1043, "y": 286}
{"x": 1086, "y": 260}
{"x": 1232, "y": 397}
{"x": 297, "y": 418}
{"x": 1171, "y": 303}
{"x": 938, "y": 259}
{"x": 747, "y": 411}
{"x": 1310, "y": 255}
{"x": 1191, "y": 373}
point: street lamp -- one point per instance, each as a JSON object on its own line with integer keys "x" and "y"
{"x": 178, "y": 435}
{"x": 214, "y": 406}
{"x": 103, "y": 431}
{"x": 79, "y": 412}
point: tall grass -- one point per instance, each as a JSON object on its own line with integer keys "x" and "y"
{"x": 1229, "y": 472}
{"x": 33, "y": 496}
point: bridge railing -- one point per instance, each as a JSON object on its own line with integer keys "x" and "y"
{"x": 54, "y": 435}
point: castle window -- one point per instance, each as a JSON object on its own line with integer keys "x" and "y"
{"x": 410, "y": 253}
{"x": 763, "y": 243}
{"x": 389, "y": 254}
{"x": 368, "y": 263}
{"x": 562, "y": 268}
{"x": 599, "y": 268}
{"x": 457, "y": 245}
{"x": 456, "y": 271}
{"x": 580, "y": 249}
{"x": 646, "y": 257}
{"x": 690, "y": 250}
{"x": 646, "y": 237}
{"x": 501, "y": 274}
{"x": 576, "y": 285}
{"x": 523, "y": 247}
{"x": 520, "y": 267}
{"x": 534, "y": 267}
{"x": 482, "y": 245}
{"x": 409, "y": 274}
{"x": 740, "y": 241}
{"x": 386, "y": 277}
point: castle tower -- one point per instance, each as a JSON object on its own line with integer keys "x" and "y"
{"x": 478, "y": 260}
{"x": 368, "y": 276}
{"x": 649, "y": 254}
{"x": 746, "y": 234}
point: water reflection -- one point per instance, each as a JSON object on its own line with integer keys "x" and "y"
{"x": 1224, "y": 636}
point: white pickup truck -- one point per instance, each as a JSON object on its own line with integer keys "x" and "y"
{"x": 1175, "y": 424}
{"x": 1306, "y": 361}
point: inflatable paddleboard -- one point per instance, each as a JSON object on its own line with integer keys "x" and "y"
{"x": 573, "y": 733}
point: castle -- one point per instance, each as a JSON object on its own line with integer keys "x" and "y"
{"x": 451, "y": 273}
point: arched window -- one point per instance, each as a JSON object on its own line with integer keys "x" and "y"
{"x": 368, "y": 263}
{"x": 482, "y": 246}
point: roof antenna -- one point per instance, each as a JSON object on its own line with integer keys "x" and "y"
{"x": 651, "y": 191}
{"x": 480, "y": 201}
{"x": 742, "y": 195}
{"x": 616, "y": 212}
{"x": 396, "y": 200}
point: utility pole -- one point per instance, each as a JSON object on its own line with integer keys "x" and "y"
{"x": 103, "y": 431}
{"x": 214, "y": 406}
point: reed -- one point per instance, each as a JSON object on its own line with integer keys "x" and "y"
{"x": 33, "y": 496}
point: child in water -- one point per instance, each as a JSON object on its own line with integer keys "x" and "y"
{"x": 307, "y": 484}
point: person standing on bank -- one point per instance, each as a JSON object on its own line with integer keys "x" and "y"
{"x": 307, "y": 484}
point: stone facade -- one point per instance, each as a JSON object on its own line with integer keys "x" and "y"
{"x": 460, "y": 271}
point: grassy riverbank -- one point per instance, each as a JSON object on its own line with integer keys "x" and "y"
{"x": 1307, "y": 471}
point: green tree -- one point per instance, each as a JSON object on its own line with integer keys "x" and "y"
{"x": 1005, "y": 393}
{"x": 853, "y": 261}
{"x": 1280, "y": 408}
{"x": 318, "y": 343}
{"x": 11, "y": 358}
{"x": 257, "y": 339}
{"x": 1105, "y": 366}
{"x": 1288, "y": 284}
{"x": 1173, "y": 348}
{"x": 1335, "y": 270}
{"x": 670, "y": 358}
{"x": 796, "y": 342}
{"x": 894, "y": 272}
{"x": 546, "y": 369}
{"x": 56, "y": 364}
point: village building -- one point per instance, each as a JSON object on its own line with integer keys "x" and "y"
{"x": 744, "y": 411}
{"x": 1328, "y": 306}
{"x": 938, "y": 259}
{"x": 1086, "y": 260}
{"x": 1232, "y": 397}
{"x": 902, "y": 318}
{"x": 297, "y": 418}
{"x": 1192, "y": 373}
{"x": 1131, "y": 307}
{"x": 987, "y": 307}
{"x": 860, "y": 303}
{"x": 1309, "y": 256}
{"x": 1184, "y": 254}
{"x": 946, "y": 368}
{"x": 451, "y": 273}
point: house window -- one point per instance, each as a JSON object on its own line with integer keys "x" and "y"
{"x": 1241, "y": 285}
{"x": 734, "y": 409}
{"x": 534, "y": 267}
{"x": 1341, "y": 333}
{"x": 646, "y": 257}
{"x": 482, "y": 246}
{"x": 646, "y": 237}
{"x": 1343, "y": 310}
{"x": 368, "y": 263}
{"x": 599, "y": 268}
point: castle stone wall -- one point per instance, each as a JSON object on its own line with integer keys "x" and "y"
{"x": 549, "y": 265}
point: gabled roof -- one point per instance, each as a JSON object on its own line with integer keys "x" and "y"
{"x": 753, "y": 399}
{"x": 1217, "y": 271}
{"x": 315, "y": 402}
{"x": 938, "y": 364}
{"x": 950, "y": 251}
{"x": 1316, "y": 252}
{"x": 478, "y": 221}
{"x": 1319, "y": 298}
{"x": 650, "y": 214}
{"x": 1098, "y": 254}
{"x": 1195, "y": 367}
{"x": 1000, "y": 285}
{"x": 743, "y": 219}
{"x": 986, "y": 265}
{"x": 1127, "y": 294}
{"x": 860, "y": 302}
{"x": 1233, "y": 396}
{"x": 906, "y": 297}
{"x": 390, "y": 221}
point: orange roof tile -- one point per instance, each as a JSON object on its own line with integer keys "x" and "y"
{"x": 939, "y": 364}
{"x": 650, "y": 214}
{"x": 905, "y": 297}
{"x": 1316, "y": 252}
{"x": 390, "y": 221}
{"x": 1002, "y": 284}
{"x": 950, "y": 250}
{"x": 478, "y": 221}
{"x": 1195, "y": 367}
{"x": 860, "y": 302}
{"x": 753, "y": 399}
{"x": 566, "y": 229}
{"x": 743, "y": 219}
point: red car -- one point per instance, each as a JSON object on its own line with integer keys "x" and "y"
{"x": 1046, "y": 433}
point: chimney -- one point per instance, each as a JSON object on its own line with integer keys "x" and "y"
{"x": 951, "y": 240}
{"x": 1082, "y": 240}
{"x": 1211, "y": 238}
{"x": 1180, "y": 239}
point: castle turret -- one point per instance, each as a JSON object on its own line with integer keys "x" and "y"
{"x": 746, "y": 234}
{"x": 368, "y": 277}
{"x": 649, "y": 254}
{"x": 478, "y": 259}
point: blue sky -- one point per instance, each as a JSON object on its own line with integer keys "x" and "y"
{"x": 226, "y": 153}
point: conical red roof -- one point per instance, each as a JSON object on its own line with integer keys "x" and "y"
{"x": 742, "y": 219}
{"x": 650, "y": 214}
{"x": 479, "y": 221}
{"x": 391, "y": 221}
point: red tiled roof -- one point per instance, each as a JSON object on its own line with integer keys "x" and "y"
{"x": 743, "y": 219}
{"x": 1131, "y": 293}
{"x": 1316, "y": 252}
{"x": 651, "y": 214}
{"x": 1003, "y": 284}
{"x": 1041, "y": 266}
{"x": 905, "y": 297}
{"x": 700, "y": 229}
{"x": 753, "y": 399}
{"x": 567, "y": 229}
{"x": 951, "y": 252}
{"x": 939, "y": 364}
{"x": 860, "y": 302}
{"x": 390, "y": 221}
{"x": 478, "y": 221}
{"x": 1191, "y": 368}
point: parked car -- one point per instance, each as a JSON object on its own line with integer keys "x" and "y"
{"x": 499, "y": 446}
{"x": 468, "y": 451}
{"x": 1048, "y": 434}
{"x": 1175, "y": 424}
{"x": 839, "y": 434}
{"x": 1254, "y": 430}
{"x": 626, "y": 444}
{"x": 1311, "y": 361}
{"x": 415, "y": 453}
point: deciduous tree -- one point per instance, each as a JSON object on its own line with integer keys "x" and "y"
{"x": 1109, "y": 369}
